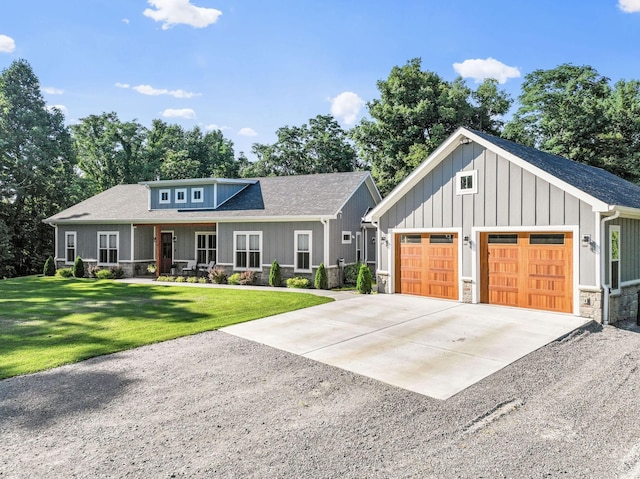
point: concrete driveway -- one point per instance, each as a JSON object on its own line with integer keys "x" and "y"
{"x": 429, "y": 346}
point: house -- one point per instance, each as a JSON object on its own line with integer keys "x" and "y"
{"x": 239, "y": 224}
{"x": 486, "y": 220}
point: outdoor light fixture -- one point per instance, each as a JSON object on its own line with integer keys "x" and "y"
{"x": 465, "y": 239}
{"x": 586, "y": 240}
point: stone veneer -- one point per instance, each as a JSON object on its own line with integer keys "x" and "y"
{"x": 624, "y": 305}
{"x": 591, "y": 304}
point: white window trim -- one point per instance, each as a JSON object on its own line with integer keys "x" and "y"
{"x": 184, "y": 195}
{"x": 193, "y": 195}
{"x": 359, "y": 245}
{"x": 474, "y": 180}
{"x": 297, "y": 233}
{"x": 117, "y": 234}
{"x": 214, "y": 233}
{"x": 346, "y": 241}
{"x": 75, "y": 246}
{"x": 612, "y": 229}
{"x": 160, "y": 200}
{"x": 235, "y": 256}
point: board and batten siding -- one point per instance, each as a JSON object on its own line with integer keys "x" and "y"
{"x": 143, "y": 244}
{"x": 507, "y": 196}
{"x": 87, "y": 240}
{"x": 277, "y": 241}
{"x": 629, "y": 249}
{"x": 184, "y": 248}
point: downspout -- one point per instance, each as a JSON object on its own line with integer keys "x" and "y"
{"x": 605, "y": 287}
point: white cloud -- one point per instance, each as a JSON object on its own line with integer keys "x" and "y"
{"x": 7, "y": 44}
{"x": 52, "y": 91}
{"x": 125, "y": 20}
{"x": 346, "y": 107}
{"x": 174, "y": 12}
{"x": 629, "y": 6}
{"x": 479, "y": 70}
{"x": 247, "y": 132}
{"x": 186, "y": 113}
{"x": 213, "y": 126}
{"x": 122, "y": 85}
{"x": 149, "y": 90}
{"x": 63, "y": 109}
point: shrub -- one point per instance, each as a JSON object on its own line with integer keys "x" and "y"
{"x": 234, "y": 278}
{"x": 49, "y": 267}
{"x": 65, "y": 273}
{"x": 298, "y": 282}
{"x": 171, "y": 279}
{"x": 181, "y": 279}
{"x": 117, "y": 271}
{"x": 93, "y": 271}
{"x": 78, "y": 268}
{"x": 202, "y": 280}
{"x": 218, "y": 276}
{"x": 104, "y": 274}
{"x": 247, "y": 278}
{"x": 351, "y": 272}
{"x": 321, "y": 280}
{"x": 275, "y": 275}
{"x": 192, "y": 279}
{"x": 151, "y": 268}
{"x": 364, "y": 280}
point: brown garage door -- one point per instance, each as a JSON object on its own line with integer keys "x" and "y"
{"x": 527, "y": 270}
{"x": 427, "y": 265}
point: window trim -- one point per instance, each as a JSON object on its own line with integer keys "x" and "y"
{"x": 344, "y": 234}
{"x": 215, "y": 250}
{"x": 184, "y": 193}
{"x": 160, "y": 200}
{"x": 193, "y": 195}
{"x": 612, "y": 229}
{"x": 247, "y": 234}
{"x": 296, "y": 268}
{"x": 66, "y": 248}
{"x": 359, "y": 247}
{"x": 474, "y": 180}
{"x": 117, "y": 248}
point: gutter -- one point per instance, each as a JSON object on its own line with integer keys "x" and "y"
{"x": 606, "y": 288}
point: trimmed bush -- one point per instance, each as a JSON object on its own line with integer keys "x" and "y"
{"x": 234, "y": 278}
{"x": 192, "y": 279}
{"x": 104, "y": 274}
{"x": 321, "y": 280}
{"x": 202, "y": 280}
{"x": 247, "y": 278}
{"x": 117, "y": 271}
{"x": 351, "y": 272}
{"x": 298, "y": 282}
{"x": 65, "y": 273}
{"x": 181, "y": 279}
{"x": 275, "y": 275}
{"x": 78, "y": 268}
{"x": 218, "y": 276}
{"x": 92, "y": 271}
{"x": 49, "y": 267}
{"x": 364, "y": 280}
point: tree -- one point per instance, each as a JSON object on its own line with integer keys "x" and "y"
{"x": 363, "y": 284}
{"x": 322, "y": 146}
{"x": 78, "y": 267}
{"x": 37, "y": 176}
{"x": 321, "y": 281}
{"x": 417, "y": 110}
{"x": 275, "y": 275}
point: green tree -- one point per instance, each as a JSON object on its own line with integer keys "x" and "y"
{"x": 37, "y": 176}
{"x": 321, "y": 281}
{"x": 322, "y": 146}
{"x": 416, "y": 111}
{"x": 275, "y": 275}
{"x": 363, "y": 284}
{"x": 78, "y": 267}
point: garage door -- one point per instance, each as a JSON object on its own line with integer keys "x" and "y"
{"x": 527, "y": 270}
{"x": 427, "y": 265}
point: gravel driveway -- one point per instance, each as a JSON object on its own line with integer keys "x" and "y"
{"x": 214, "y": 405}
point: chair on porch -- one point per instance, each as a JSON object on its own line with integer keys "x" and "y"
{"x": 189, "y": 268}
{"x": 204, "y": 269}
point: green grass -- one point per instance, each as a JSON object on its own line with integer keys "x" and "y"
{"x": 47, "y": 322}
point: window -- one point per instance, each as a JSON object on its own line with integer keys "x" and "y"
{"x": 303, "y": 251}
{"x": 247, "y": 250}
{"x": 358, "y": 246}
{"x": 108, "y": 248}
{"x": 205, "y": 247}
{"x": 70, "y": 239}
{"x": 346, "y": 237}
{"x": 441, "y": 239}
{"x": 165, "y": 196}
{"x": 546, "y": 238}
{"x": 411, "y": 239}
{"x": 467, "y": 182}
{"x": 197, "y": 195}
{"x": 614, "y": 257}
{"x": 181, "y": 195}
{"x": 503, "y": 239}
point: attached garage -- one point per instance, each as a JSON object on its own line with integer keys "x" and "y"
{"x": 527, "y": 270}
{"x": 427, "y": 264}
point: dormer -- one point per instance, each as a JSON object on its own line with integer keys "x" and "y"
{"x": 193, "y": 194}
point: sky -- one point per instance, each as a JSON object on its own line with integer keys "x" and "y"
{"x": 250, "y": 67}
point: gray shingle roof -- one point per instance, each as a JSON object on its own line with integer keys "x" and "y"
{"x": 304, "y": 196}
{"x": 596, "y": 182}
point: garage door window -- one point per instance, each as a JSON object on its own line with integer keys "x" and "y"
{"x": 503, "y": 239}
{"x": 441, "y": 239}
{"x": 406, "y": 239}
{"x": 546, "y": 239}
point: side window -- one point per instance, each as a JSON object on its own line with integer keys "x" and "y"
{"x": 302, "y": 251}
{"x": 181, "y": 195}
{"x": 164, "y": 196}
{"x": 614, "y": 257}
{"x": 70, "y": 239}
{"x": 467, "y": 182}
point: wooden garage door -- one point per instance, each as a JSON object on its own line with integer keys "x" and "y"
{"x": 528, "y": 270}
{"x": 427, "y": 265}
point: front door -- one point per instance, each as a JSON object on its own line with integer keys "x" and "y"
{"x": 167, "y": 253}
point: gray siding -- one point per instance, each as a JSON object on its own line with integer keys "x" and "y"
{"x": 184, "y": 248}
{"x": 143, "y": 245}
{"x": 227, "y": 191}
{"x": 87, "y": 240}
{"x": 507, "y": 196}
{"x": 629, "y": 248}
{"x": 208, "y": 192}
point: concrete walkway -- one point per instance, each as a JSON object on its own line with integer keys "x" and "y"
{"x": 429, "y": 346}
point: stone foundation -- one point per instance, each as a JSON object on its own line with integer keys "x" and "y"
{"x": 624, "y": 305}
{"x": 467, "y": 291}
{"x": 382, "y": 283}
{"x": 591, "y": 304}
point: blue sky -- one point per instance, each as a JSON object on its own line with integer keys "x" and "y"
{"x": 250, "y": 67}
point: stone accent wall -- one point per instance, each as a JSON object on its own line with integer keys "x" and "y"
{"x": 467, "y": 291}
{"x": 591, "y": 304}
{"x": 624, "y": 305}
{"x": 382, "y": 283}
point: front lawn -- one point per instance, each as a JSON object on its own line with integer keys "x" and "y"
{"x": 47, "y": 322}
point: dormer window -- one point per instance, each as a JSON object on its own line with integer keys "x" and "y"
{"x": 197, "y": 195}
{"x": 181, "y": 195}
{"x": 165, "y": 196}
{"x": 467, "y": 182}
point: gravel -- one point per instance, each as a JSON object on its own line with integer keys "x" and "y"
{"x": 214, "y": 405}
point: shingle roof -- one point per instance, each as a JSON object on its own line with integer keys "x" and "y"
{"x": 596, "y": 182}
{"x": 318, "y": 195}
